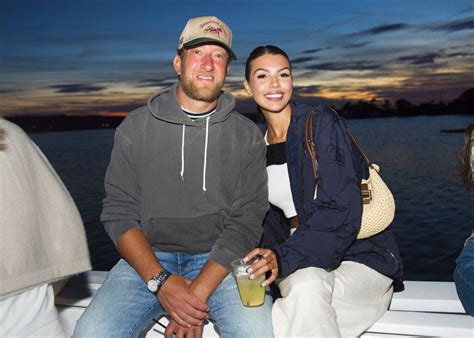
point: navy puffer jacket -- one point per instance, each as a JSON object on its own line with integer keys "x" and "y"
{"x": 328, "y": 224}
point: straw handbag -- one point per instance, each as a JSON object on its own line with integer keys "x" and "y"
{"x": 378, "y": 202}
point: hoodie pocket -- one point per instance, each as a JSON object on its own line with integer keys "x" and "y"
{"x": 184, "y": 234}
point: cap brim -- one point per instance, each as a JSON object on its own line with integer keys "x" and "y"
{"x": 203, "y": 41}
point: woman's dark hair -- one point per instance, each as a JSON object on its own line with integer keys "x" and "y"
{"x": 465, "y": 169}
{"x": 263, "y": 50}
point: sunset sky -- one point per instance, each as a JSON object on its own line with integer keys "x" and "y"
{"x": 108, "y": 56}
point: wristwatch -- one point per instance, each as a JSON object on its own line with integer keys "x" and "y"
{"x": 156, "y": 282}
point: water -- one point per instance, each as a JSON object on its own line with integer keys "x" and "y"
{"x": 81, "y": 158}
{"x": 434, "y": 212}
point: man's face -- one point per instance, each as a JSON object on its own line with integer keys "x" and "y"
{"x": 202, "y": 72}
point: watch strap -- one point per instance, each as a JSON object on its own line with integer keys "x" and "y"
{"x": 161, "y": 278}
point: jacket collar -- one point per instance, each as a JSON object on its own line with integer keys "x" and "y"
{"x": 297, "y": 110}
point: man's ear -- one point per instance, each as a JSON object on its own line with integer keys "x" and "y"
{"x": 177, "y": 64}
{"x": 247, "y": 88}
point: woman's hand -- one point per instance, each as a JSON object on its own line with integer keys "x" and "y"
{"x": 267, "y": 262}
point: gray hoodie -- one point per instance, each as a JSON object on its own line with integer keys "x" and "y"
{"x": 192, "y": 186}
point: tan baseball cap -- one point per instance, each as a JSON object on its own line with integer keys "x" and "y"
{"x": 207, "y": 29}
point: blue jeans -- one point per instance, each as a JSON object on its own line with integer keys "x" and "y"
{"x": 464, "y": 277}
{"x": 123, "y": 306}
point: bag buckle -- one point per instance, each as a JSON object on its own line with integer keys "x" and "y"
{"x": 366, "y": 193}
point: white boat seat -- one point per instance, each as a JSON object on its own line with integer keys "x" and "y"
{"x": 422, "y": 309}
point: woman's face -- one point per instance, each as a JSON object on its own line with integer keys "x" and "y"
{"x": 270, "y": 83}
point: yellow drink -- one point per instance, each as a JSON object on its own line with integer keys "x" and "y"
{"x": 251, "y": 291}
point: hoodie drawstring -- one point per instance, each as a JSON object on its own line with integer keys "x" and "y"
{"x": 182, "y": 152}
{"x": 205, "y": 155}
{"x": 204, "y": 169}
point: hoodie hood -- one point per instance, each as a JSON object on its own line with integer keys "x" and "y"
{"x": 165, "y": 106}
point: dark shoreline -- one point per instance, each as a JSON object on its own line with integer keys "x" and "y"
{"x": 40, "y": 124}
{"x": 463, "y": 105}
{"x": 52, "y": 123}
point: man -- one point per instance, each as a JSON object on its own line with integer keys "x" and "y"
{"x": 186, "y": 195}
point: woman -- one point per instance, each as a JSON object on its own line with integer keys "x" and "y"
{"x": 331, "y": 283}
{"x": 464, "y": 271}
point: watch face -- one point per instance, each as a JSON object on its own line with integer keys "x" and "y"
{"x": 152, "y": 285}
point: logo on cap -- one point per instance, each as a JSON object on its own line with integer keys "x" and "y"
{"x": 212, "y": 29}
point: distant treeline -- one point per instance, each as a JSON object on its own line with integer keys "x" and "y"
{"x": 464, "y": 104}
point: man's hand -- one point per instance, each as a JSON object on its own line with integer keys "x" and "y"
{"x": 183, "y": 332}
{"x": 201, "y": 288}
{"x": 175, "y": 295}
{"x": 181, "y": 303}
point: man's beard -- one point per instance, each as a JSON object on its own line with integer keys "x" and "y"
{"x": 206, "y": 94}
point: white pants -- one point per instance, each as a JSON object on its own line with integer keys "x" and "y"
{"x": 341, "y": 303}
{"x": 30, "y": 314}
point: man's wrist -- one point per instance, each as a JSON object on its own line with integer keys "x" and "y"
{"x": 156, "y": 282}
{"x": 209, "y": 278}
{"x": 200, "y": 291}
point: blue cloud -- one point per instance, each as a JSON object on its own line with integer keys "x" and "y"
{"x": 382, "y": 29}
{"x": 315, "y": 50}
{"x": 356, "y": 45}
{"x": 427, "y": 58}
{"x": 77, "y": 88}
{"x": 302, "y": 59}
{"x": 156, "y": 82}
{"x": 455, "y": 26}
{"x": 359, "y": 65}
